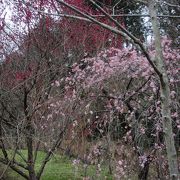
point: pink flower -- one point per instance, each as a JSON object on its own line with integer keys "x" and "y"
{"x": 57, "y": 83}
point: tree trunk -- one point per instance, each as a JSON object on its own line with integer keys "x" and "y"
{"x": 143, "y": 174}
{"x": 32, "y": 175}
{"x": 29, "y": 139}
{"x": 165, "y": 96}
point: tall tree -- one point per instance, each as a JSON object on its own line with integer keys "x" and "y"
{"x": 165, "y": 95}
{"x": 170, "y": 26}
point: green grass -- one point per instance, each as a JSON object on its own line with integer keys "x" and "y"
{"x": 59, "y": 168}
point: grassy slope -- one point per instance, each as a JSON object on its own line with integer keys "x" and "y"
{"x": 60, "y": 168}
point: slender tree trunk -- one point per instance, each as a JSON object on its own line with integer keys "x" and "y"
{"x": 32, "y": 175}
{"x": 165, "y": 96}
{"x": 143, "y": 174}
{"x": 29, "y": 139}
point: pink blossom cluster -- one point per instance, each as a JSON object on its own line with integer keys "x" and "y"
{"x": 109, "y": 63}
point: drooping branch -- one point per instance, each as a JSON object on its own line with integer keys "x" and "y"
{"x": 123, "y": 32}
{"x": 88, "y": 16}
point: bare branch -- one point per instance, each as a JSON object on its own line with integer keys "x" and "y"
{"x": 137, "y": 15}
{"x": 112, "y": 29}
{"x": 12, "y": 166}
{"x": 169, "y": 4}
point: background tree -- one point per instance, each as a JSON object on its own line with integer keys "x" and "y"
{"x": 170, "y": 25}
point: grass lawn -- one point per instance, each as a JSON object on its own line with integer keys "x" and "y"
{"x": 60, "y": 168}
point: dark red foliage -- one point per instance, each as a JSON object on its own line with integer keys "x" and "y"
{"x": 20, "y": 76}
{"x": 90, "y": 36}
